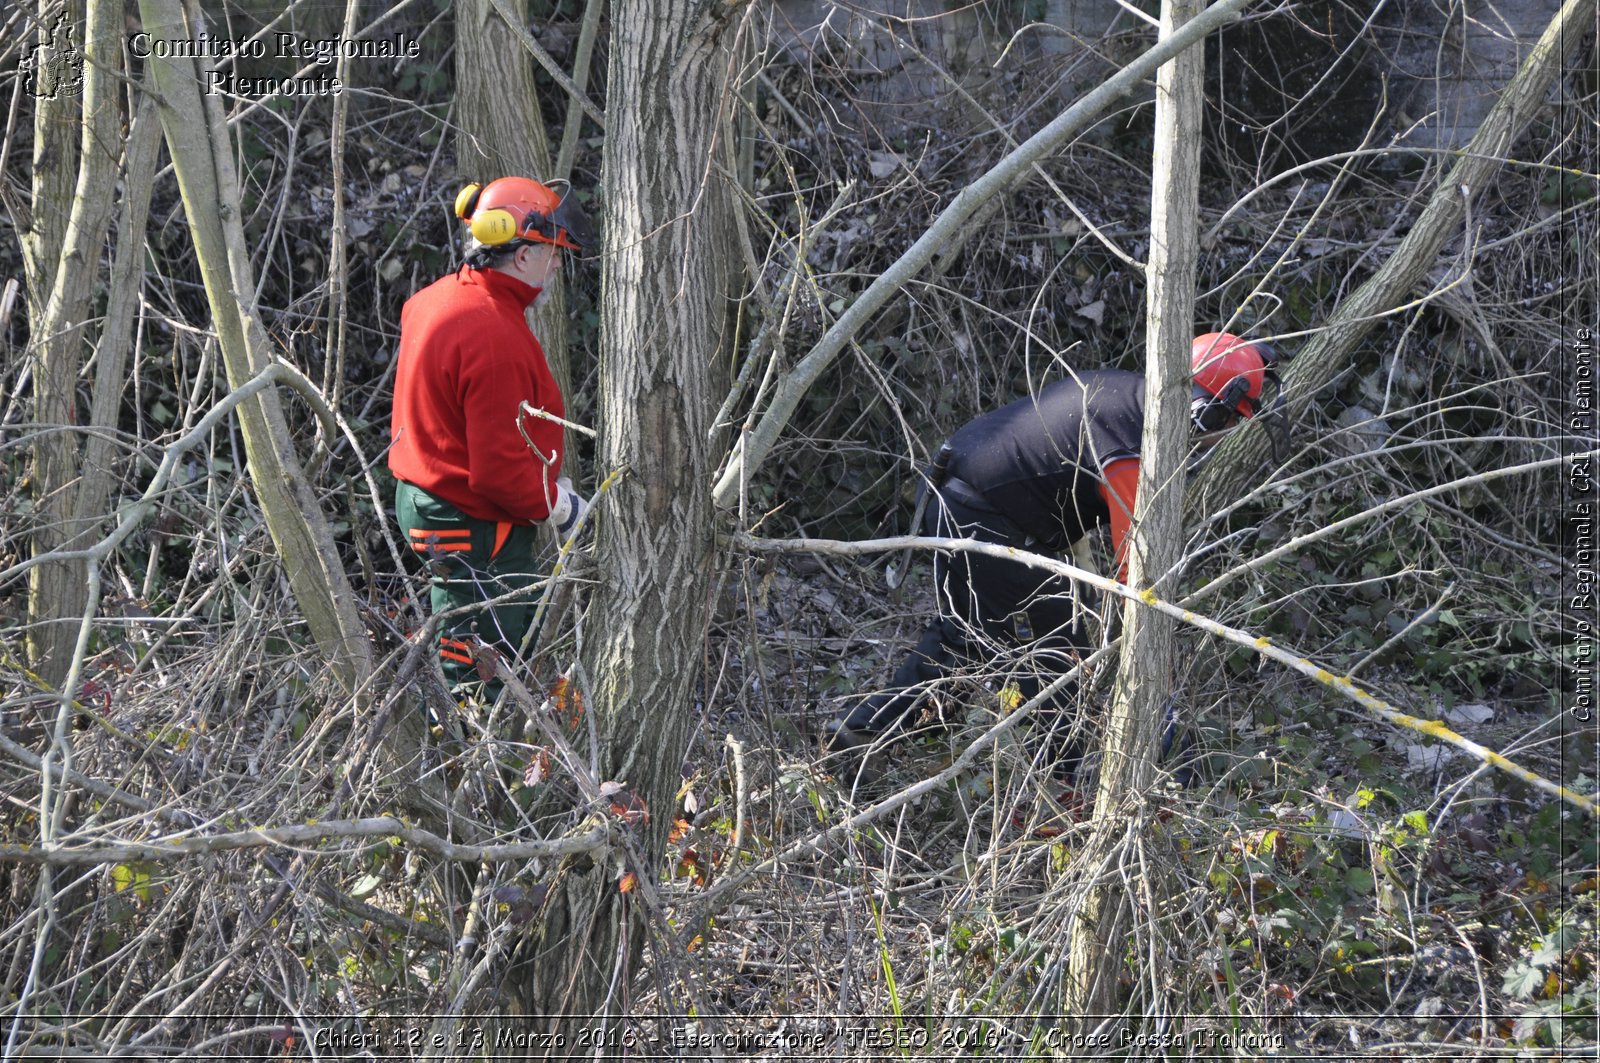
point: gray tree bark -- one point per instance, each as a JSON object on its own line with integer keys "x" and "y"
{"x": 665, "y": 300}
{"x": 42, "y": 222}
{"x": 98, "y": 459}
{"x": 61, "y": 337}
{"x": 1145, "y": 668}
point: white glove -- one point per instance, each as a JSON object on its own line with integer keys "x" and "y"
{"x": 567, "y": 510}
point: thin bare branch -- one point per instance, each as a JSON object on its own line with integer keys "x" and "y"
{"x": 1342, "y": 685}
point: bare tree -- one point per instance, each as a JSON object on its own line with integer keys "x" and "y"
{"x": 202, "y": 155}
{"x": 41, "y": 222}
{"x": 1146, "y": 667}
{"x": 61, "y": 330}
{"x": 666, "y": 311}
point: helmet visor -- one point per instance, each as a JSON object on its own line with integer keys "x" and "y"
{"x": 1207, "y": 415}
{"x": 567, "y": 226}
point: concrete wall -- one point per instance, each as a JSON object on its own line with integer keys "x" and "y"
{"x": 1448, "y": 61}
{"x": 1442, "y": 61}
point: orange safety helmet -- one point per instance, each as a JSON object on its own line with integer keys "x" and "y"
{"x": 1230, "y": 376}
{"x": 518, "y": 210}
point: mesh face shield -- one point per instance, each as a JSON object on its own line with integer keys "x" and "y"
{"x": 568, "y": 220}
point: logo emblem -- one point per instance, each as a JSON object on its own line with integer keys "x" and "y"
{"x": 54, "y": 64}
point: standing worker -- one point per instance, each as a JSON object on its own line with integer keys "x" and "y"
{"x": 1039, "y": 474}
{"x": 476, "y": 476}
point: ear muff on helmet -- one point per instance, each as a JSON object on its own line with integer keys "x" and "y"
{"x": 495, "y": 227}
{"x": 1212, "y": 413}
{"x": 467, "y": 201}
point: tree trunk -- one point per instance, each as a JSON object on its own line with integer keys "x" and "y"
{"x": 42, "y": 223}
{"x": 57, "y": 590}
{"x": 1145, "y": 668}
{"x": 499, "y": 128}
{"x": 500, "y": 134}
{"x": 1240, "y": 457}
{"x": 665, "y": 300}
{"x": 99, "y": 462}
{"x": 197, "y": 138}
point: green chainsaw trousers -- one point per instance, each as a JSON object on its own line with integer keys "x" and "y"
{"x": 470, "y": 561}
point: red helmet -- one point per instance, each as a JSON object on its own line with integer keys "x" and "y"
{"x": 1230, "y": 374}
{"x": 517, "y": 210}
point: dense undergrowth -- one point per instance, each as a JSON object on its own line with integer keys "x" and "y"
{"x": 1326, "y": 884}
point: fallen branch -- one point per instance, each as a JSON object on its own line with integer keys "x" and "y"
{"x": 1373, "y": 705}
{"x": 64, "y": 776}
{"x": 305, "y": 834}
{"x": 106, "y": 792}
{"x": 817, "y": 841}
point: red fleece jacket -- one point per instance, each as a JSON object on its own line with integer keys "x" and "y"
{"x": 466, "y": 362}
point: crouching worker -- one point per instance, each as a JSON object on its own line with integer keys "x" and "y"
{"x": 1038, "y": 475}
{"x": 475, "y": 480}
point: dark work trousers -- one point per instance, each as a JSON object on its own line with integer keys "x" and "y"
{"x": 470, "y": 561}
{"x": 990, "y": 608}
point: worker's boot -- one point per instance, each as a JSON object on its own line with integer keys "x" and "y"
{"x": 871, "y": 718}
{"x": 858, "y": 728}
